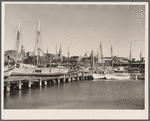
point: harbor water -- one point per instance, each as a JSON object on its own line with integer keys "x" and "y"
{"x": 87, "y": 94}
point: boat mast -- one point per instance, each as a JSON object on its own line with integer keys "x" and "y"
{"x": 18, "y": 39}
{"x": 97, "y": 60}
{"x": 38, "y": 49}
{"x": 56, "y": 50}
{"x": 101, "y": 56}
{"x": 140, "y": 55}
{"x": 47, "y": 54}
{"x": 61, "y": 57}
{"x": 111, "y": 51}
{"x": 130, "y": 53}
{"x": 93, "y": 59}
{"x": 68, "y": 52}
{"x": 112, "y": 56}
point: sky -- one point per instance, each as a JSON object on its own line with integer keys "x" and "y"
{"x": 79, "y": 27}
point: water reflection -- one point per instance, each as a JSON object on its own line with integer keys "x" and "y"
{"x": 89, "y": 94}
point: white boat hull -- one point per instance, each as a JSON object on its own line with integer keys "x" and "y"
{"x": 111, "y": 76}
{"x": 117, "y": 77}
{"x": 7, "y": 72}
{"x": 63, "y": 70}
{"x": 29, "y": 71}
{"x": 98, "y": 76}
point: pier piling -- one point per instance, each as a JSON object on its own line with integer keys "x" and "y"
{"x": 64, "y": 78}
{"x": 78, "y": 78}
{"x": 54, "y": 81}
{"x": 73, "y": 79}
{"x": 8, "y": 86}
{"x": 69, "y": 79}
{"x": 83, "y": 77}
{"x": 45, "y": 83}
{"x": 58, "y": 80}
{"x": 40, "y": 83}
{"x": 20, "y": 85}
{"x": 29, "y": 84}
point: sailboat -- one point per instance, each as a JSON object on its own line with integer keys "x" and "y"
{"x": 117, "y": 74}
{"x": 10, "y": 68}
{"x": 113, "y": 74}
{"x": 22, "y": 69}
{"x": 98, "y": 74}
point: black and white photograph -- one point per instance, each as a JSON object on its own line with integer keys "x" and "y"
{"x": 74, "y": 60}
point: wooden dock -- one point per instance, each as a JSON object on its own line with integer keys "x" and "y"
{"x": 19, "y": 81}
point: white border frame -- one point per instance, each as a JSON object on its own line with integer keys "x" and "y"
{"x": 76, "y": 114}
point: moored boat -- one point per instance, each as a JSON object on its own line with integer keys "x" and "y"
{"x": 37, "y": 74}
{"x": 118, "y": 74}
{"x": 22, "y": 69}
{"x": 117, "y": 77}
{"x": 98, "y": 76}
{"x": 7, "y": 72}
{"x": 141, "y": 76}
